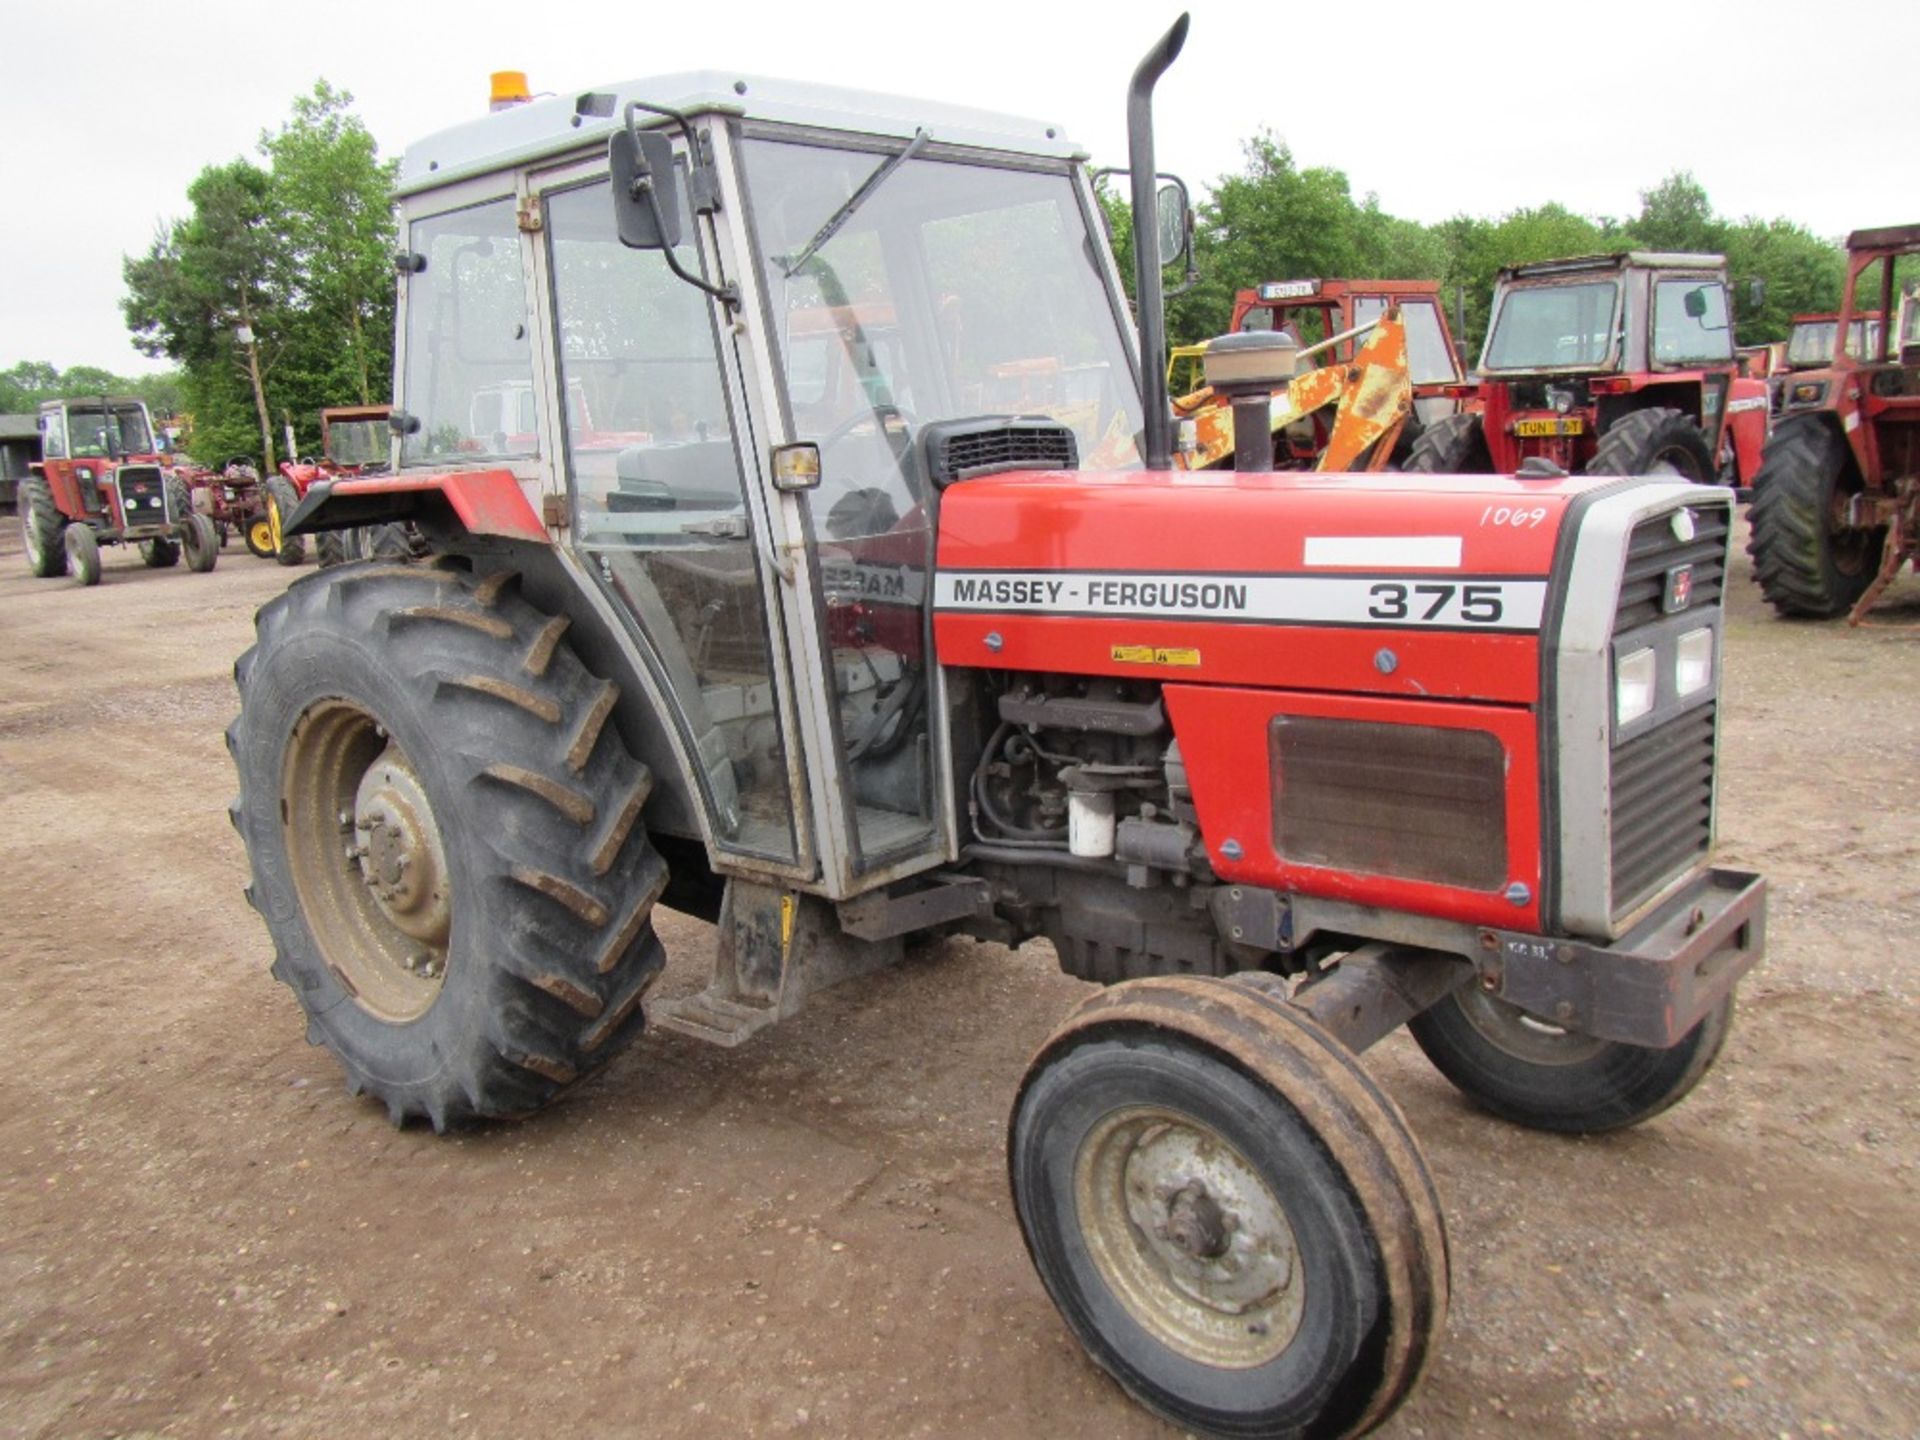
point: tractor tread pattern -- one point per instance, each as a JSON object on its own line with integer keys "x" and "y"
{"x": 1453, "y": 445}
{"x": 559, "y": 900}
{"x": 34, "y": 500}
{"x": 1629, "y": 445}
{"x": 1791, "y": 546}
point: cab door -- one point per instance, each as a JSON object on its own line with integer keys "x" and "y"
{"x": 661, "y": 466}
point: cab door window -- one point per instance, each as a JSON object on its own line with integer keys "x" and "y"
{"x": 659, "y": 503}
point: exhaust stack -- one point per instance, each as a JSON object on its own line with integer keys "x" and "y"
{"x": 1146, "y": 246}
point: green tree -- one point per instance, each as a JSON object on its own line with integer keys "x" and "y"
{"x": 333, "y": 196}
{"x": 211, "y": 293}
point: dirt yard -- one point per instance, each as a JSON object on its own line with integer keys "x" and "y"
{"x": 201, "y": 1234}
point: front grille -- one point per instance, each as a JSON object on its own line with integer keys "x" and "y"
{"x": 1662, "y": 803}
{"x": 1414, "y": 801}
{"x": 143, "y": 494}
{"x": 960, "y": 450}
{"x": 1655, "y": 551}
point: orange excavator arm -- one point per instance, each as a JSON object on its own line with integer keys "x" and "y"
{"x": 1373, "y": 393}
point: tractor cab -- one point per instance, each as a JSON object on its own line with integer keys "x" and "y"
{"x": 1314, "y": 311}
{"x": 356, "y": 437}
{"x": 1578, "y": 348}
{"x": 741, "y": 468}
{"x": 1811, "y": 338}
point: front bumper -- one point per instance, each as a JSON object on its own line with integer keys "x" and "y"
{"x": 1652, "y": 985}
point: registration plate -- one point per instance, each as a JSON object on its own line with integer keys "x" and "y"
{"x": 1563, "y": 425}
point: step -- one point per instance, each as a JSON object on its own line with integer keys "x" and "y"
{"x": 716, "y": 1019}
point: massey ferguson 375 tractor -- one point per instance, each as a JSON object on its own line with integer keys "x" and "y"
{"x": 1836, "y": 513}
{"x": 1285, "y": 760}
{"x": 100, "y": 482}
{"x": 1616, "y": 364}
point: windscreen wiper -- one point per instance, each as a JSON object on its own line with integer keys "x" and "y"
{"x": 853, "y": 202}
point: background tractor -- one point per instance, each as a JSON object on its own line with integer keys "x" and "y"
{"x": 1284, "y": 760}
{"x": 1836, "y": 512}
{"x": 1618, "y": 364}
{"x": 100, "y": 482}
{"x": 354, "y": 440}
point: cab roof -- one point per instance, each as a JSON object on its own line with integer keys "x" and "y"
{"x": 1617, "y": 260}
{"x": 562, "y": 123}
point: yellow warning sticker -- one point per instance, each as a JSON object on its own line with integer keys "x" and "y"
{"x": 1155, "y": 655}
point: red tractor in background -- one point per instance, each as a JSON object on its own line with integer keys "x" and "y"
{"x": 1616, "y": 364}
{"x": 1836, "y": 512}
{"x": 100, "y": 481}
{"x": 354, "y": 440}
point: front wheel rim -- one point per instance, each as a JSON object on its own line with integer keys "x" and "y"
{"x": 368, "y": 861}
{"x": 1189, "y": 1237}
{"x": 1514, "y": 1032}
{"x": 260, "y": 534}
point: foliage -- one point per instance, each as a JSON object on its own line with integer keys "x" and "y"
{"x": 28, "y": 383}
{"x": 293, "y": 254}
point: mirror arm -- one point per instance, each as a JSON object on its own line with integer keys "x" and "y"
{"x": 727, "y": 293}
{"x": 703, "y": 192}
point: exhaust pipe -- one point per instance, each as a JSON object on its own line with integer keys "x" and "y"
{"x": 1146, "y": 247}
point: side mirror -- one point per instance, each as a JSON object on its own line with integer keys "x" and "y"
{"x": 646, "y": 203}
{"x": 1173, "y": 218}
{"x": 1695, "y": 303}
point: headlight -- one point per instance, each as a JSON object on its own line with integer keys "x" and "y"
{"x": 1807, "y": 392}
{"x": 85, "y": 472}
{"x": 1693, "y": 662}
{"x": 1633, "y": 685}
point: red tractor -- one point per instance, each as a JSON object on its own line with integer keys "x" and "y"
{"x": 1617, "y": 364}
{"x": 354, "y": 440}
{"x": 1836, "y": 512}
{"x": 99, "y": 482}
{"x": 1284, "y": 759}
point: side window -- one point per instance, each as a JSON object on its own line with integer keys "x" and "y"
{"x": 1690, "y": 322}
{"x": 469, "y": 356}
{"x": 1429, "y": 361}
{"x": 53, "y": 440}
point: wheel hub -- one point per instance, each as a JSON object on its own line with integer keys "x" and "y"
{"x": 1190, "y": 1237}
{"x": 398, "y": 850}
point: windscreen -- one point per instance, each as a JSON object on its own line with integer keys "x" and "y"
{"x": 1553, "y": 327}
{"x": 111, "y": 431}
{"x": 358, "y": 442}
{"x": 951, "y": 290}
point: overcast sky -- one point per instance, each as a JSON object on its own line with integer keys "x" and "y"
{"x": 108, "y": 110}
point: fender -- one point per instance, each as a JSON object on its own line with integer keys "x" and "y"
{"x": 484, "y": 502}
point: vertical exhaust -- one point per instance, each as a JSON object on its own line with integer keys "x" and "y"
{"x": 1146, "y": 246}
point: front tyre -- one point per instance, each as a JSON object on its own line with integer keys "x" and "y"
{"x": 82, "y": 554}
{"x": 41, "y": 527}
{"x": 1656, "y": 441}
{"x": 1538, "y": 1075}
{"x": 1230, "y": 1216}
{"x": 160, "y": 554}
{"x": 202, "y": 542}
{"x": 445, "y": 840}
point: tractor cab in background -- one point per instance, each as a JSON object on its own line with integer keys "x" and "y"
{"x": 1618, "y": 364}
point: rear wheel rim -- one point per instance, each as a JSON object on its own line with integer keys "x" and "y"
{"x": 30, "y": 534}
{"x": 1189, "y": 1237}
{"x": 368, "y": 860}
{"x": 260, "y": 535}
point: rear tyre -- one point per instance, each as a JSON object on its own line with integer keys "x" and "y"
{"x": 83, "y": 554}
{"x": 334, "y": 547}
{"x": 445, "y": 839}
{"x": 1546, "y": 1078}
{"x": 1455, "y": 445}
{"x": 41, "y": 524}
{"x": 1810, "y": 565}
{"x": 1657, "y": 441}
{"x": 1230, "y": 1216}
{"x": 160, "y": 554}
{"x": 202, "y": 544}
{"x": 282, "y": 501}
{"x": 392, "y": 541}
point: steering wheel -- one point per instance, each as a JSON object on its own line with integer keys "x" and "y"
{"x": 876, "y": 416}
